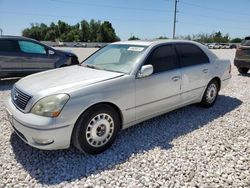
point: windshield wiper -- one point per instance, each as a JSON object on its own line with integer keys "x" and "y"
{"x": 98, "y": 68}
{"x": 91, "y": 66}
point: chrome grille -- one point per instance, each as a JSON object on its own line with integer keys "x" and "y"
{"x": 19, "y": 98}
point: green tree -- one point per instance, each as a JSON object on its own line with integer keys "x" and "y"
{"x": 94, "y": 31}
{"x": 50, "y": 36}
{"x": 134, "y": 38}
{"x": 85, "y": 31}
{"x": 162, "y": 37}
{"x": 107, "y": 33}
{"x": 236, "y": 40}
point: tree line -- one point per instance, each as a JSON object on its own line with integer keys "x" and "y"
{"x": 97, "y": 31}
{"x": 215, "y": 37}
{"x": 92, "y": 31}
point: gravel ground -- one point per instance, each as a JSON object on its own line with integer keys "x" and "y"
{"x": 189, "y": 147}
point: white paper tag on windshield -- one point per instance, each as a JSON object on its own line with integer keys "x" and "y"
{"x": 135, "y": 49}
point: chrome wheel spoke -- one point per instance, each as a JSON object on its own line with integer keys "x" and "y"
{"x": 211, "y": 93}
{"x": 99, "y": 130}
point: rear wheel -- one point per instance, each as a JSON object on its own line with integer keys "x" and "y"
{"x": 210, "y": 94}
{"x": 96, "y": 129}
{"x": 243, "y": 70}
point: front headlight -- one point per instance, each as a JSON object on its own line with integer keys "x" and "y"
{"x": 50, "y": 106}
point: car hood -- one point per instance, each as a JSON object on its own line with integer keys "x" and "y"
{"x": 59, "y": 80}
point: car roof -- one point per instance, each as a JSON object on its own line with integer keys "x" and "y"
{"x": 15, "y": 37}
{"x": 154, "y": 42}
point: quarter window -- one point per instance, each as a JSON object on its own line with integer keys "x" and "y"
{"x": 190, "y": 54}
{"x": 31, "y": 47}
{"x": 9, "y": 46}
{"x": 163, "y": 58}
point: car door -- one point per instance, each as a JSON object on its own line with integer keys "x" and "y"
{"x": 160, "y": 91}
{"x": 10, "y": 60}
{"x": 35, "y": 57}
{"x": 195, "y": 67}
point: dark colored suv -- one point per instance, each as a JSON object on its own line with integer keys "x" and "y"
{"x": 20, "y": 56}
{"x": 242, "y": 57}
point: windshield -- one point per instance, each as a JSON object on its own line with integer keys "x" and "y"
{"x": 116, "y": 58}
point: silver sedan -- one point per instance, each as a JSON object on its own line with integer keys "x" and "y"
{"x": 119, "y": 86}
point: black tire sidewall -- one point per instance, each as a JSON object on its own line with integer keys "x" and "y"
{"x": 243, "y": 70}
{"x": 79, "y": 135}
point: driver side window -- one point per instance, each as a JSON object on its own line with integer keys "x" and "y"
{"x": 31, "y": 47}
{"x": 163, "y": 58}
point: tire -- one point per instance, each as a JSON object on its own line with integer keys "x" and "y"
{"x": 243, "y": 70}
{"x": 210, "y": 94}
{"x": 96, "y": 129}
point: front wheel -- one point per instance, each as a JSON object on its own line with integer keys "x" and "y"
{"x": 210, "y": 94}
{"x": 96, "y": 129}
{"x": 243, "y": 70}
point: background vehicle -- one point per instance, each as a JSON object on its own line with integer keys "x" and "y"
{"x": 119, "y": 86}
{"x": 211, "y": 45}
{"x": 225, "y": 46}
{"x": 78, "y": 44}
{"x": 20, "y": 56}
{"x": 242, "y": 56}
{"x": 233, "y": 46}
{"x": 217, "y": 46}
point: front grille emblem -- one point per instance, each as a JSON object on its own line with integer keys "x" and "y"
{"x": 15, "y": 96}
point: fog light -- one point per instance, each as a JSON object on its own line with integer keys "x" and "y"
{"x": 42, "y": 141}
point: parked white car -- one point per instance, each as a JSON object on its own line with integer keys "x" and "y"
{"x": 211, "y": 45}
{"x": 225, "y": 46}
{"x": 119, "y": 86}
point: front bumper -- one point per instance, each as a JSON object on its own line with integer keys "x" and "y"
{"x": 39, "y": 132}
{"x": 242, "y": 63}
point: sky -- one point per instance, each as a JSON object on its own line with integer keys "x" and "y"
{"x": 146, "y": 19}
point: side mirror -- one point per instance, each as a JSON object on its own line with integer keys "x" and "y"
{"x": 146, "y": 70}
{"x": 51, "y": 52}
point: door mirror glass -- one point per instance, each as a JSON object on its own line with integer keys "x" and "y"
{"x": 51, "y": 52}
{"x": 146, "y": 70}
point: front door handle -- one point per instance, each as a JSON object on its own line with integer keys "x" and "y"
{"x": 176, "y": 78}
{"x": 205, "y": 70}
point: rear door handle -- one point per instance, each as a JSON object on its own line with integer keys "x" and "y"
{"x": 205, "y": 70}
{"x": 176, "y": 78}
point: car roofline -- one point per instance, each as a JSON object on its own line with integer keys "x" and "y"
{"x": 16, "y": 37}
{"x": 154, "y": 42}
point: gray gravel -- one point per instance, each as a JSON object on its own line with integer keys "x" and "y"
{"x": 189, "y": 147}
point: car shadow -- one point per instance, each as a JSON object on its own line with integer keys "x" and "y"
{"x": 7, "y": 84}
{"x": 54, "y": 167}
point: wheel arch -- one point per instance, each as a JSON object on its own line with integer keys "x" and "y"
{"x": 216, "y": 78}
{"x": 114, "y": 106}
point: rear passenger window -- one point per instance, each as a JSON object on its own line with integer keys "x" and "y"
{"x": 8, "y": 46}
{"x": 163, "y": 58}
{"x": 190, "y": 54}
{"x": 31, "y": 47}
